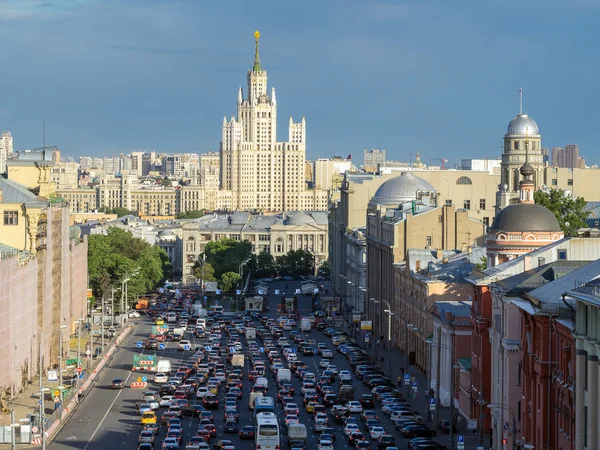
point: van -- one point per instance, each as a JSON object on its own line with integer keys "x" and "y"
{"x": 284, "y": 376}
{"x": 261, "y": 384}
{"x": 164, "y": 366}
{"x": 252, "y": 399}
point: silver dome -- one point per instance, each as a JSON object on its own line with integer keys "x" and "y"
{"x": 522, "y": 125}
{"x": 404, "y": 188}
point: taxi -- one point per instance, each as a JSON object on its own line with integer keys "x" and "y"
{"x": 310, "y": 406}
{"x": 148, "y": 418}
{"x": 213, "y": 388}
{"x": 160, "y": 321}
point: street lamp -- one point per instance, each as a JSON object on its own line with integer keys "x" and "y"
{"x": 506, "y": 407}
{"x": 60, "y": 360}
{"x": 375, "y": 302}
{"x": 389, "y": 345}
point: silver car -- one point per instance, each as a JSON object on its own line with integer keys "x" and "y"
{"x": 146, "y": 436}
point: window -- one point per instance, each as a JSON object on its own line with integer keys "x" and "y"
{"x": 562, "y": 254}
{"x": 428, "y": 241}
{"x": 486, "y": 221}
{"x": 11, "y": 218}
{"x": 467, "y": 204}
{"x": 464, "y": 180}
{"x": 570, "y": 182}
{"x": 482, "y": 203}
{"x": 554, "y": 182}
{"x": 516, "y": 145}
{"x": 448, "y": 203}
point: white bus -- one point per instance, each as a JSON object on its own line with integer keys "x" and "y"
{"x": 267, "y": 431}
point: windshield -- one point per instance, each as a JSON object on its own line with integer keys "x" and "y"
{"x": 268, "y": 430}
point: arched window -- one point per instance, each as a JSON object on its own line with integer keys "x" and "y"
{"x": 464, "y": 180}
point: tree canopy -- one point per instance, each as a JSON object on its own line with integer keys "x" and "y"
{"x": 296, "y": 262}
{"x": 120, "y": 212}
{"x": 117, "y": 255}
{"x": 229, "y": 281}
{"x": 570, "y": 212}
{"x": 204, "y": 271}
{"x": 195, "y": 214}
{"x": 226, "y": 255}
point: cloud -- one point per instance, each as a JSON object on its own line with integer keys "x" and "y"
{"x": 139, "y": 49}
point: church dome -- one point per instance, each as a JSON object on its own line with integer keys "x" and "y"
{"x": 523, "y": 217}
{"x": 522, "y": 125}
{"x": 400, "y": 189}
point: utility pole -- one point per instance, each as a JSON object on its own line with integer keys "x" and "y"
{"x": 102, "y": 322}
{"x": 78, "y": 349}
{"x": 123, "y": 283}
{"x": 42, "y": 406}
{"x": 437, "y": 376}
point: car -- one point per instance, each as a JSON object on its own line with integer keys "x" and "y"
{"x": 351, "y": 428}
{"x": 170, "y": 443}
{"x": 345, "y": 375}
{"x": 210, "y": 401}
{"x": 418, "y": 430}
{"x": 143, "y": 407}
{"x": 367, "y": 400}
{"x": 117, "y": 383}
{"x": 184, "y": 344}
{"x": 146, "y": 436}
{"x": 159, "y": 321}
{"x": 195, "y": 443}
{"x": 291, "y": 408}
{"x": 247, "y": 432}
{"x": 365, "y": 445}
{"x": 193, "y": 410}
{"x": 133, "y": 314}
{"x": 416, "y": 442}
{"x": 231, "y": 426}
{"x": 324, "y": 363}
{"x": 146, "y": 446}
{"x": 376, "y": 432}
{"x": 386, "y": 441}
{"x": 153, "y": 427}
{"x": 161, "y": 378}
{"x": 148, "y": 417}
{"x": 326, "y": 353}
{"x": 291, "y": 418}
{"x": 166, "y": 401}
{"x": 355, "y": 437}
{"x": 354, "y": 406}
{"x": 320, "y": 422}
{"x": 202, "y": 391}
{"x": 325, "y": 445}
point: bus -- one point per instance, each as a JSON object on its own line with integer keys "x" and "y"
{"x": 267, "y": 432}
{"x": 264, "y": 404}
{"x": 216, "y": 308}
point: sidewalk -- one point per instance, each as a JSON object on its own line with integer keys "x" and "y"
{"x": 419, "y": 399}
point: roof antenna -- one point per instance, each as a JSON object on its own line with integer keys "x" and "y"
{"x": 44, "y": 134}
{"x": 520, "y": 100}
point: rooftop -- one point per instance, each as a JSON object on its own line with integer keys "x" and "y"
{"x": 17, "y": 193}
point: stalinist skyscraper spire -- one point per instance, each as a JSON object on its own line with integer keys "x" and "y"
{"x": 261, "y": 173}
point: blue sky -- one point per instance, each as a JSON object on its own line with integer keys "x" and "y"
{"x": 441, "y": 77}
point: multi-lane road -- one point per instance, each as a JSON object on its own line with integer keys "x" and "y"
{"x": 107, "y": 419}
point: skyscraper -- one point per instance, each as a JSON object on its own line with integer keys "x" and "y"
{"x": 261, "y": 173}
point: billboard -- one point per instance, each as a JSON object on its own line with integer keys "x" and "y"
{"x": 366, "y": 325}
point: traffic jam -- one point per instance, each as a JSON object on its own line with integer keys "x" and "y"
{"x": 262, "y": 380}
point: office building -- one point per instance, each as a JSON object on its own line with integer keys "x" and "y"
{"x": 262, "y": 173}
{"x": 373, "y": 158}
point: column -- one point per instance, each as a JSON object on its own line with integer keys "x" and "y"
{"x": 592, "y": 410}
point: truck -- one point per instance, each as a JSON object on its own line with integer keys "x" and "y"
{"x": 178, "y": 333}
{"x": 296, "y": 432}
{"x": 237, "y": 361}
{"x": 346, "y": 394}
{"x": 164, "y": 366}
{"x": 250, "y": 333}
{"x": 252, "y": 398}
{"x": 143, "y": 362}
{"x": 305, "y": 324}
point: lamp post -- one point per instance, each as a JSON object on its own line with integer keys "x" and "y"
{"x": 375, "y": 302}
{"x": 506, "y": 407}
{"x": 241, "y": 274}
{"x": 60, "y": 360}
{"x": 389, "y": 345}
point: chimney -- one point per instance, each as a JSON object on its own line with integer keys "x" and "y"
{"x": 417, "y": 265}
{"x": 438, "y": 253}
{"x": 526, "y": 262}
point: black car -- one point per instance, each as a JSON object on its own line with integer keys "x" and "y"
{"x": 413, "y": 431}
{"x": 445, "y": 426}
{"x": 247, "y": 432}
{"x": 308, "y": 351}
{"x": 231, "y": 426}
{"x": 117, "y": 383}
{"x": 367, "y": 400}
{"x": 386, "y": 441}
{"x": 151, "y": 344}
{"x": 210, "y": 401}
{"x": 298, "y": 443}
{"x": 193, "y": 410}
{"x": 167, "y": 389}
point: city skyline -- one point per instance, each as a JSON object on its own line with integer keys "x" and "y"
{"x": 401, "y": 76}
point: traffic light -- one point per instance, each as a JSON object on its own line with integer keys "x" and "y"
{"x": 504, "y": 441}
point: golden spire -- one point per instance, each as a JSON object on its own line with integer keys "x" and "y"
{"x": 256, "y": 67}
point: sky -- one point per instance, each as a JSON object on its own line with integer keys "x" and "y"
{"x": 439, "y": 77}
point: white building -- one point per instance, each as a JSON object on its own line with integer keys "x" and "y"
{"x": 6, "y": 149}
{"x": 492, "y": 166}
{"x": 327, "y": 170}
{"x": 261, "y": 173}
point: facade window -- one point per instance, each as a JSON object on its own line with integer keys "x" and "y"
{"x": 554, "y": 182}
{"x": 516, "y": 146}
{"x": 562, "y": 254}
{"x": 486, "y": 221}
{"x": 482, "y": 203}
{"x": 570, "y": 182}
{"x": 263, "y": 237}
{"x": 235, "y": 237}
{"x": 448, "y": 203}
{"x": 428, "y": 241}
{"x": 11, "y": 218}
{"x": 467, "y": 204}
{"x": 464, "y": 180}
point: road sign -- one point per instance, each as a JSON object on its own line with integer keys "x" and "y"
{"x": 208, "y": 348}
{"x": 150, "y": 358}
{"x": 460, "y": 441}
{"x": 238, "y": 292}
{"x": 262, "y": 349}
{"x": 88, "y": 352}
{"x": 334, "y": 309}
{"x": 406, "y": 379}
{"x": 186, "y": 347}
{"x": 472, "y": 424}
{"x": 276, "y": 291}
{"x": 365, "y": 324}
{"x": 367, "y": 337}
{"x": 56, "y": 393}
{"x": 432, "y": 404}
{"x": 298, "y": 291}
{"x": 35, "y": 430}
{"x": 260, "y": 292}
{"x": 218, "y": 291}
{"x": 415, "y": 386}
{"x": 139, "y": 379}
{"x": 316, "y": 290}
{"x": 139, "y": 344}
{"x": 144, "y": 379}
{"x": 79, "y": 370}
{"x": 161, "y": 346}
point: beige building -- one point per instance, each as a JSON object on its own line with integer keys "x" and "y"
{"x": 277, "y": 234}
{"x": 262, "y": 173}
{"x": 329, "y": 172}
{"x": 65, "y": 175}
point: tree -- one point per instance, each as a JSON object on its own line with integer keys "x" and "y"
{"x": 195, "y": 214}
{"x": 120, "y": 212}
{"x": 203, "y": 271}
{"x": 569, "y": 212}
{"x": 482, "y": 264}
{"x": 226, "y": 255}
{"x": 296, "y": 262}
{"x": 229, "y": 281}
{"x": 265, "y": 264}
{"x": 165, "y": 182}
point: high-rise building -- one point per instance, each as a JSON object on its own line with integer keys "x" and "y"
{"x": 171, "y": 165}
{"x": 373, "y": 158}
{"x": 567, "y": 157}
{"x": 545, "y": 156}
{"x": 328, "y": 172}
{"x": 6, "y": 149}
{"x": 262, "y": 173}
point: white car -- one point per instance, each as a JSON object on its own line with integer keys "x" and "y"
{"x": 333, "y": 368}
{"x": 376, "y": 432}
{"x": 220, "y": 376}
{"x": 345, "y": 375}
{"x": 161, "y": 378}
{"x": 202, "y": 391}
{"x": 351, "y": 428}
{"x": 165, "y": 401}
{"x": 326, "y": 353}
{"x": 149, "y": 396}
{"x": 325, "y": 445}
{"x": 324, "y": 363}
{"x": 354, "y": 407}
{"x": 184, "y": 344}
{"x": 133, "y": 314}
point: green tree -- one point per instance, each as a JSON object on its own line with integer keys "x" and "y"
{"x": 195, "y": 214}
{"x": 226, "y": 255}
{"x": 296, "y": 262}
{"x": 204, "y": 271}
{"x": 165, "y": 182}
{"x": 570, "y": 212}
{"x": 229, "y": 281}
{"x": 265, "y": 264}
{"x": 482, "y": 264}
{"x": 120, "y": 212}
